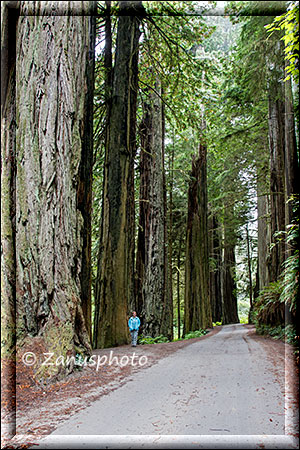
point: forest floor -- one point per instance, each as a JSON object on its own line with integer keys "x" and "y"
{"x": 42, "y": 411}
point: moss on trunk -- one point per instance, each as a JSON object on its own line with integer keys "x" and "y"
{"x": 54, "y": 68}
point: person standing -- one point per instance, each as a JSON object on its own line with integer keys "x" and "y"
{"x": 134, "y": 325}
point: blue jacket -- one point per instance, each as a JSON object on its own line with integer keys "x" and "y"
{"x": 134, "y": 323}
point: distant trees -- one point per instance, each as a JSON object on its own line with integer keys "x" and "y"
{"x": 268, "y": 95}
{"x": 152, "y": 279}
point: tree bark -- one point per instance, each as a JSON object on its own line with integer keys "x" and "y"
{"x": 54, "y": 79}
{"x": 178, "y": 289}
{"x": 249, "y": 262}
{"x": 229, "y": 294}
{"x": 114, "y": 285}
{"x": 291, "y": 159}
{"x": 108, "y": 82}
{"x": 263, "y": 226}
{"x": 215, "y": 269}
{"x": 197, "y": 312}
{"x": 152, "y": 256}
{"x": 9, "y": 17}
{"x": 277, "y": 181}
{"x": 84, "y": 190}
{"x": 167, "y": 319}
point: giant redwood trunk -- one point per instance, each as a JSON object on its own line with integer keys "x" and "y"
{"x": 152, "y": 258}
{"x": 291, "y": 159}
{"x": 167, "y": 318}
{"x": 277, "y": 181}
{"x": 229, "y": 293}
{"x": 108, "y": 70}
{"x": 263, "y": 226}
{"x": 9, "y": 18}
{"x": 215, "y": 255}
{"x": 197, "y": 308}
{"x": 114, "y": 284}
{"x": 49, "y": 179}
{"x": 84, "y": 197}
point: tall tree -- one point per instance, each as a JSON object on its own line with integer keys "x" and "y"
{"x": 291, "y": 157}
{"x": 263, "y": 226}
{"x": 114, "y": 284}
{"x": 152, "y": 249}
{"x": 215, "y": 254}
{"x": 85, "y": 184}
{"x": 277, "y": 169}
{"x": 229, "y": 292}
{"x": 9, "y": 17}
{"x": 108, "y": 80}
{"x": 197, "y": 308}
{"x": 54, "y": 82}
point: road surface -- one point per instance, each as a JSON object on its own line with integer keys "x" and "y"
{"x": 224, "y": 389}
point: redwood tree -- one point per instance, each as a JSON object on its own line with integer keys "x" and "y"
{"x": 114, "y": 285}
{"x": 197, "y": 308}
{"x": 215, "y": 254}
{"x": 229, "y": 293}
{"x": 48, "y": 190}
{"x": 9, "y": 17}
{"x": 152, "y": 284}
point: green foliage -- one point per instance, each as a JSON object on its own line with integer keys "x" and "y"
{"x": 163, "y": 339}
{"x": 243, "y": 310}
{"x": 217, "y": 324}
{"x": 195, "y": 334}
{"x": 150, "y": 340}
{"x": 289, "y": 23}
{"x": 287, "y": 333}
{"x": 290, "y": 274}
{"x": 269, "y": 308}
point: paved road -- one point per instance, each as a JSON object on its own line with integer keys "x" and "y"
{"x": 223, "y": 388}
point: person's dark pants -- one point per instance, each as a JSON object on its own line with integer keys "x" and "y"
{"x": 134, "y": 336}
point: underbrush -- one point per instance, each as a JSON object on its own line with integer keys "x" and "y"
{"x": 163, "y": 339}
{"x": 287, "y": 333}
{"x": 195, "y": 334}
{"x": 150, "y": 340}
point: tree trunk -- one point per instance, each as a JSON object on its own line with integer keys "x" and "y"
{"x": 229, "y": 295}
{"x": 197, "y": 302}
{"x": 9, "y": 17}
{"x": 152, "y": 257}
{"x": 108, "y": 80}
{"x": 178, "y": 289}
{"x": 84, "y": 196}
{"x": 215, "y": 269}
{"x": 277, "y": 182}
{"x": 249, "y": 262}
{"x": 54, "y": 79}
{"x": 263, "y": 227}
{"x": 167, "y": 319}
{"x": 291, "y": 160}
{"x": 114, "y": 285}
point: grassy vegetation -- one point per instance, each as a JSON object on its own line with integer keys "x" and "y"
{"x": 162, "y": 339}
{"x": 287, "y": 333}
